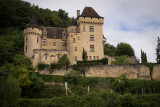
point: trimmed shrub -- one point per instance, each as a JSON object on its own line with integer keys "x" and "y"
{"x": 41, "y": 66}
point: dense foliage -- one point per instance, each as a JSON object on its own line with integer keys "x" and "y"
{"x": 17, "y": 13}
{"x": 109, "y": 49}
{"x": 84, "y": 55}
{"x": 124, "y": 49}
{"x": 64, "y": 61}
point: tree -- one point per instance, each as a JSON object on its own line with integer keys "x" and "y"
{"x": 143, "y": 57}
{"x": 121, "y": 60}
{"x": 158, "y": 51}
{"x": 64, "y": 60}
{"x": 109, "y": 49}
{"x": 84, "y": 55}
{"x": 9, "y": 91}
{"x": 124, "y": 49}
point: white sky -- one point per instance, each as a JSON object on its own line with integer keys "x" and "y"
{"x": 136, "y": 22}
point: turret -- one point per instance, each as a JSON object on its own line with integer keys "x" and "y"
{"x": 32, "y": 38}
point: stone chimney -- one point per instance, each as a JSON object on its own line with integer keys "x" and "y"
{"x": 78, "y": 13}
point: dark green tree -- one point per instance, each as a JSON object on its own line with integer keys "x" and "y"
{"x": 158, "y": 51}
{"x": 143, "y": 57}
{"x": 124, "y": 49}
{"x": 84, "y": 55}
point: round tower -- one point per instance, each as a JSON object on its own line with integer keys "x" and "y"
{"x": 32, "y": 38}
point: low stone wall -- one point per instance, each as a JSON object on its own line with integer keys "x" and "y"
{"x": 136, "y": 71}
{"x": 156, "y": 72}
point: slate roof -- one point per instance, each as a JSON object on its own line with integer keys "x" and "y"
{"x": 54, "y": 32}
{"x": 90, "y": 12}
{"x": 33, "y": 23}
{"x": 73, "y": 22}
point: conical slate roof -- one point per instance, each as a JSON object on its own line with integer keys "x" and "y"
{"x": 33, "y": 23}
{"x": 73, "y": 22}
{"x": 90, "y": 12}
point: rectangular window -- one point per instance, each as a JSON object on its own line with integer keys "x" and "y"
{"x": 97, "y": 57}
{"x": 83, "y": 28}
{"x": 91, "y": 48}
{"x": 75, "y": 58}
{"x": 74, "y": 40}
{"x": 63, "y": 43}
{"x": 91, "y": 29}
{"x": 91, "y": 37}
{"x": 72, "y": 30}
{"x": 44, "y": 42}
{"x": 75, "y": 48}
{"x": 54, "y": 43}
{"x": 87, "y": 58}
{"x": 94, "y": 58}
{"x": 58, "y": 56}
{"x": 90, "y": 58}
{"x": 37, "y": 39}
{"x": 26, "y": 38}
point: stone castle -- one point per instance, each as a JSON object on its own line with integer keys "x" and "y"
{"x": 48, "y": 44}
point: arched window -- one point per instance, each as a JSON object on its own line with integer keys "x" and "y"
{"x": 45, "y": 56}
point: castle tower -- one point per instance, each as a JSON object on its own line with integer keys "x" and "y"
{"x": 90, "y": 25}
{"x": 32, "y": 38}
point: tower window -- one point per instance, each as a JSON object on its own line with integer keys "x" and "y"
{"x": 83, "y": 28}
{"x": 92, "y": 48}
{"x": 64, "y": 35}
{"x": 91, "y": 37}
{"x": 87, "y": 58}
{"x": 37, "y": 39}
{"x": 54, "y": 43}
{"x": 44, "y": 42}
{"x": 75, "y": 58}
{"x": 26, "y": 48}
{"x": 91, "y": 29}
{"x": 74, "y": 40}
{"x": 75, "y": 48}
{"x": 45, "y": 56}
{"x": 26, "y": 38}
{"x": 72, "y": 30}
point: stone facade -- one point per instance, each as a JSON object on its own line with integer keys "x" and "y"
{"x": 48, "y": 44}
{"x": 156, "y": 72}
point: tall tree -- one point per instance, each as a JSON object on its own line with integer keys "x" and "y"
{"x": 158, "y": 51}
{"x": 143, "y": 57}
{"x": 84, "y": 55}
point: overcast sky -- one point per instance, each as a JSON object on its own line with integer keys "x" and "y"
{"x": 136, "y": 22}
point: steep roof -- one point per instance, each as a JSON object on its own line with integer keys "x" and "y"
{"x": 54, "y": 32}
{"x": 90, "y": 12}
{"x": 33, "y": 23}
{"x": 73, "y": 22}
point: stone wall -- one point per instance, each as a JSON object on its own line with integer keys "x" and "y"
{"x": 156, "y": 72}
{"x": 137, "y": 71}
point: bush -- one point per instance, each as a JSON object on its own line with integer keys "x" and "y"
{"x": 121, "y": 60}
{"x": 63, "y": 61}
{"x": 41, "y": 66}
{"x": 55, "y": 66}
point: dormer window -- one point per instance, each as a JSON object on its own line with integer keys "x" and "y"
{"x": 44, "y": 34}
{"x": 72, "y": 30}
{"x": 91, "y": 29}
